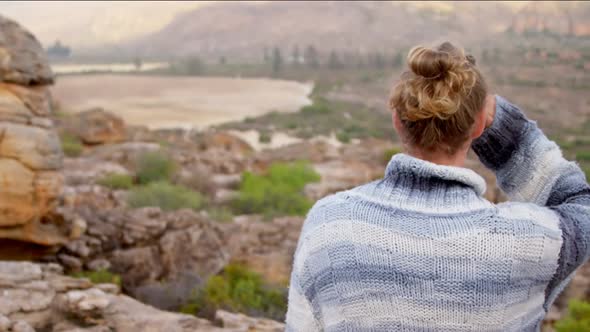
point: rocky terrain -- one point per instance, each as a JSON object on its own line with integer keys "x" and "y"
{"x": 90, "y": 239}
{"x": 30, "y": 152}
{"x": 38, "y": 297}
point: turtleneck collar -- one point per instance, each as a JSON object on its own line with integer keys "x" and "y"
{"x": 402, "y": 163}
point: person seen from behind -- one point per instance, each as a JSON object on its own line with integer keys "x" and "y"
{"x": 421, "y": 249}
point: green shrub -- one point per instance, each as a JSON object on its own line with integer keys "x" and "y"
{"x": 577, "y": 319}
{"x": 116, "y": 181}
{"x": 387, "y": 154}
{"x": 153, "y": 167}
{"x": 221, "y": 214}
{"x": 71, "y": 145}
{"x": 583, "y": 156}
{"x": 343, "y": 137}
{"x": 319, "y": 106}
{"x": 278, "y": 192}
{"x": 99, "y": 277}
{"x": 238, "y": 289}
{"x": 265, "y": 137}
{"x": 167, "y": 196}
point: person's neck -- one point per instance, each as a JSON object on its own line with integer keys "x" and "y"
{"x": 440, "y": 158}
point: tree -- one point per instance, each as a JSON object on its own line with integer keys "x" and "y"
{"x": 398, "y": 60}
{"x": 266, "y": 55}
{"x": 378, "y": 61}
{"x": 311, "y": 56}
{"x": 277, "y": 60}
{"x": 137, "y": 63}
{"x": 58, "y": 50}
{"x": 222, "y": 60}
{"x": 485, "y": 55}
{"x": 296, "y": 57}
{"x": 334, "y": 62}
{"x": 193, "y": 66}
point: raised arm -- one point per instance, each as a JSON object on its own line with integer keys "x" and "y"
{"x": 530, "y": 168}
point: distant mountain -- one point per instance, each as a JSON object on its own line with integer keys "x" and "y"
{"x": 559, "y": 18}
{"x": 244, "y": 29}
{"x": 88, "y": 24}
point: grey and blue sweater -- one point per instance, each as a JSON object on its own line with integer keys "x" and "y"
{"x": 422, "y": 250}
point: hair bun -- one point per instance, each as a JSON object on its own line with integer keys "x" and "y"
{"x": 429, "y": 63}
{"x": 440, "y": 79}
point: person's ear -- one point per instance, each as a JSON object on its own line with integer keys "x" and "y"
{"x": 480, "y": 124}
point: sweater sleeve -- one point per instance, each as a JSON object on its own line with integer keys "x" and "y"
{"x": 530, "y": 168}
{"x": 300, "y": 315}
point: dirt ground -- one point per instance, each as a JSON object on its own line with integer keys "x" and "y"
{"x": 164, "y": 102}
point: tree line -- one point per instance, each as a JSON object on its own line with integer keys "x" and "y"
{"x": 311, "y": 57}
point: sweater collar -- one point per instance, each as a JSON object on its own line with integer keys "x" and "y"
{"x": 403, "y": 163}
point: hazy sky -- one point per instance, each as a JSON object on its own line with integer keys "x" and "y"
{"x": 83, "y": 24}
{"x": 89, "y": 23}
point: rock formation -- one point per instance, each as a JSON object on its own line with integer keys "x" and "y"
{"x": 96, "y": 126}
{"x": 161, "y": 257}
{"x": 30, "y": 152}
{"x": 38, "y": 297}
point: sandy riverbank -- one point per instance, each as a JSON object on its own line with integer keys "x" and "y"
{"x": 164, "y": 102}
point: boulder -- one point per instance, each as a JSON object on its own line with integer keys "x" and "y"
{"x": 243, "y": 323}
{"x": 30, "y": 151}
{"x": 22, "y": 59}
{"x": 224, "y": 141}
{"x": 265, "y": 247}
{"x": 161, "y": 256}
{"x": 38, "y": 297}
{"x": 97, "y": 126}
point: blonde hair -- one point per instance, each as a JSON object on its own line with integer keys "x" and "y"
{"x": 438, "y": 98}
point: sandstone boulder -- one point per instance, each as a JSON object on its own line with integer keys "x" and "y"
{"x": 265, "y": 247}
{"x": 161, "y": 256}
{"x": 240, "y": 322}
{"x": 224, "y": 141}
{"x": 30, "y": 152}
{"x": 22, "y": 59}
{"x": 97, "y": 126}
{"x": 36, "y": 297}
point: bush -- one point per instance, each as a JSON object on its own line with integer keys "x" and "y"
{"x": 577, "y": 319}
{"x": 238, "y": 289}
{"x": 164, "y": 195}
{"x": 116, "y": 181}
{"x": 264, "y": 137}
{"x": 71, "y": 145}
{"x": 99, "y": 277}
{"x": 387, "y": 154}
{"x": 154, "y": 167}
{"x": 343, "y": 137}
{"x": 221, "y": 214}
{"x": 319, "y": 106}
{"x": 278, "y": 192}
{"x": 583, "y": 156}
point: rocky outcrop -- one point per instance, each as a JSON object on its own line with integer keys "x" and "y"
{"x": 22, "y": 59}
{"x": 240, "y": 322}
{"x": 97, "y": 126}
{"x": 266, "y": 247}
{"x": 30, "y": 152}
{"x": 38, "y": 297}
{"x": 161, "y": 257}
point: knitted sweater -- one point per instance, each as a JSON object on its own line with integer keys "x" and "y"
{"x": 422, "y": 250}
